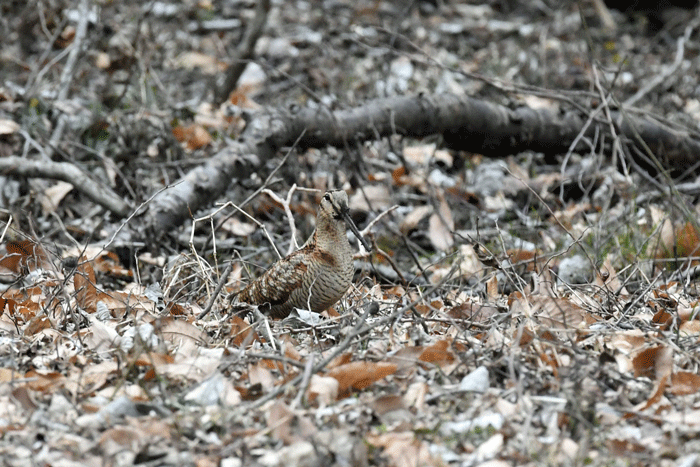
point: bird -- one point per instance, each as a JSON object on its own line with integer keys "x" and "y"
{"x": 315, "y": 276}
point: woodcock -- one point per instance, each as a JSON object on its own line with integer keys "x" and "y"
{"x": 315, "y": 276}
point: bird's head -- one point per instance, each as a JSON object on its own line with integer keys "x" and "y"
{"x": 334, "y": 208}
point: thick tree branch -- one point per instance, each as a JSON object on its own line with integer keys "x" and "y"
{"x": 466, "y": 123}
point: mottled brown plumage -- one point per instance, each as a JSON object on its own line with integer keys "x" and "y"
{"x": 317, "y": 275}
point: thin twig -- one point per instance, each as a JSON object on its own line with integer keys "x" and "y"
{"x": 366, "y": 230}
{"x": 276, "y": 169}
{"x": 76, "y": 46}
{"x": 276, "y": 357}
{"x": 257, "y": 222}
{"x": 244, "y": 51}
{"x": 38, "y": 73}
{"x": 617, "y": 143}
{"x": 358, "y": 330}
{"x": 265, "y": 184}
{"x": 306, "y": 377}
{"x": 293, "y": 245}
{"x": 663, "y": 76}
{"x": 217, "y": 290}
{"x": 261, "y": 320}
{"x": 391, "y": 262}
{"x": 136, "y": 211}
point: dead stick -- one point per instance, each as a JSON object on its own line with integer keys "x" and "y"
{"x": 244, "y": 52}
{"x": 66, "y": 172}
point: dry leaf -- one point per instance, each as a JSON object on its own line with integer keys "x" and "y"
{"x": 684, "y": 383}
{"x": 84, "y": 280}
{"x": 260, "y": 374}
{"x": 339, "y": 360}
{"x": 625, "y": 448}
{"x": 403, "y": 449}
{"x": 208, "y": 64}
{"x": 288, "y": 426}
{"x": 86, "y": 380}
{"x": 24, "y": 256}
{"x": 441, "y": 226}
{"x": 359, "y": 375}
{"x": 419, "y": 155}
{"x": 492, "y": 288}
{"x": 373, "y": 197}
{"x": 607, "y": 278}
{"x": 36, "y": 325}
{"x": 690, "y": 328}
{"x": 679, "y": 242}
{"x": 413, "y": 218}
{"x": 536, "y": 102}
{"x": 102, "y": 60}
{"x": 471, "y": 311}
{"x": 656, "y": 395}
{"x": 178, "y": 331}
{"x": 322, "y": 389}
{"x": 192, "y": 136}
{"x": 242, "y": 332}
{"x": 153, "y": 359}
{"x": 108, "y": 262}
{"x": 44, "y": 381}
{"x": 654, "y": 362}
{"x": 559, "y": 313}
{"x": 238, "y": 228}
{"x": 438, "y": 354}
{"x": 100, "y": 336}
{"x": 53, "y": 196}
{"x": 469, "y": 263}
{"x": 240, "y": 97}
{"x": 8, "y": 127}
{"x": 398, "y": 176}
{"x": 121, "y": 439}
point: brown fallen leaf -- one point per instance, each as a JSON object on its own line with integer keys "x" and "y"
{"x": 654, "y": 362}
{"x": 359, "y": 375}
{"x": 684, "y": 383}
{"x": 288, "y": 426}
{"x": 438, "y": 354}
{"x": 404, "y": 449}
{"x": 84, "y": 282}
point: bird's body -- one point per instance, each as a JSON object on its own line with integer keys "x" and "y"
{"x": 317, "y": 275}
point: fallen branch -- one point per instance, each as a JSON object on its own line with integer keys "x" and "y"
{"x": 466, "y": 124}
{"x": 95, "y": 191}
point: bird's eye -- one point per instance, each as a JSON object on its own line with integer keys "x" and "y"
{"x": 327, "y": 197}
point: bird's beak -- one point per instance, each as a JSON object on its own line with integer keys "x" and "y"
{"x": 344, "y": 213}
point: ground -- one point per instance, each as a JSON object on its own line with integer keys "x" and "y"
{"x": 515, "y": 309}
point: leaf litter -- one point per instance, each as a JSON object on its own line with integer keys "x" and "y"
{"x": 496, "y": 358}
{"x": 467, "y": 377}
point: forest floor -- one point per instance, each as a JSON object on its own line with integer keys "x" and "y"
{"x": 515, "y": 309}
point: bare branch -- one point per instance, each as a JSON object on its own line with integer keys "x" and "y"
{"x": 244, "y": 51}
{"x": 466, "y": 124}
{"x": 92, "y": 189}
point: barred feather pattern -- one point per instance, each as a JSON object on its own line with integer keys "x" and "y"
{"x": 314, "y": 277}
